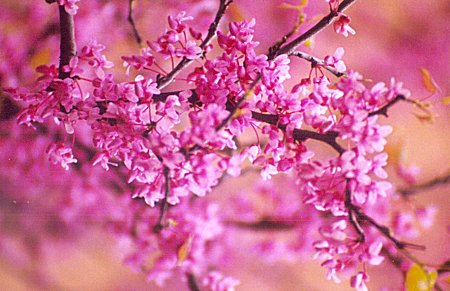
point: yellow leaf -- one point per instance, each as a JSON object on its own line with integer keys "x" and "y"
{"x": 40, "y": 58}
{"x": 236, "y": 13}
{"x": 418, "y": 279}
{"x": 309, "y": 43}
{"x": 446, "y": 100}
{"x": 183, "y": 251}
{"x": 425, "y": 118}
{"x": 298, "y": 7}
{"x": 428, "y": 81}
{"x": 171, "y": 222}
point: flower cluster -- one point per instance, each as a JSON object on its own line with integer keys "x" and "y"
{"x": 168, "y": 149}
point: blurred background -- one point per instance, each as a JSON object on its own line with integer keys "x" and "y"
{"x": 393, "y": 39}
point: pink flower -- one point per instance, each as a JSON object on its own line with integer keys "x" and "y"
{"x": 58, "y": 153}
{"x": 341, "y": 25}
{"x": 359, "y": 280}
{"x": 336, "y": 60}
{"x": 215, "y": 281}
{"x": 69, "y": 5}
{"x": 177, "y": 23}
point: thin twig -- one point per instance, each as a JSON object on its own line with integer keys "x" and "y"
{"x": 164, "y": 204}
{"x": 192, "y": 282}
{"x": 265, "y": 224}
{"x": 352, "y": 218}
{"x": 356, "y": 216}
{"x": 238, "y": 105}
{"x": 289, "y": 48}
{"x": 273, "y": 119}
{"x": 302, "y": 134}
{"x": 384, "y": 110}
{"x": 166, "y": 80}
{"x": 324, "y": 22}
{"x": 133, "y": 24}
{"x": 425, "y": 186}
{"x": 315, "y": 62}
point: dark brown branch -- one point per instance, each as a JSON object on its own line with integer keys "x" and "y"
{"x": 298, "y": 134}
{"x": 357, "y": 216}
{"x": 164, "y": 204}
{"x": 301, "y": 134}
{"x": 265, "y": 224}
{"x": 425, "y": 186}
{"x": 444, "y": 267}
{"x": 289, "y": 48}
{"x": 352, "y": 218}
{"x": 384, "y": 110}
{"x": 324, "y": 22}
{"x": 68, "y": 47}
{"x": 133, "y": 24}
{"x": 316, "y": 62}
{"x": 166, "y": 80}
{"x": 192, "y": 282}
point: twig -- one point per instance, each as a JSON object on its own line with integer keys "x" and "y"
{"x": 237, "y": 105}
{"x": 298, "y": 134}
{"x": 424, "y": 186}
{"x": 192, "y": 282}
{"x": 324, "y": 22}
{"x": 356, "y": 216}
{"x": 164, "y": 204}
{"x": 289, "y": 48}
{"x": 133, "y": 24}
{"x": 265, "y": 224}
{"x": 166, "y": 80}
{"x": 301, "y": 134}
{"x": 384, "y": 110}
{"x": 352, "y": 218}
{"x": 315, "y": 62}
{"x": 68, "y": 47}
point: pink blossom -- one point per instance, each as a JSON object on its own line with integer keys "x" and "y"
{"x": 359, "y": 280}
{"x": 215, "y": 281}
{"x": 58, "y": 153}
{"x": 69, "y": 5}
{"x": 341, "y": 25}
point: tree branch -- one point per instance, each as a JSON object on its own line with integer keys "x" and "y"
{"x": 68, "y": 47}
{"x": 384, "y": 110}
{"x": 265, "y": 224}
{"x": 356, "y": 216}
{"x": 324, "y": 22}
{"x": 164, "y": 204}
{"x": 192, "y": 282}
{"x": 426, "y": 185}
{"x": 301, "y": 134}
{"x": 133, "y": 24}
{"x": 273, "y": 119}
{"x": 166, "y": 80}
{"x": 316, "y": 62}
